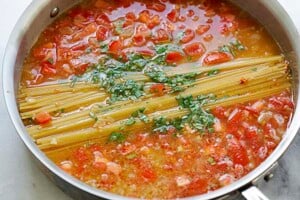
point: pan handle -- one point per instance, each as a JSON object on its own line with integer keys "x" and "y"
{"x": 253, "y": 193}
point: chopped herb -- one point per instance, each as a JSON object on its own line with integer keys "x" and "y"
{"x": 130, "y": 121}
{"x": 131, "y": 156}
{"x": 161, "y": 125}
{"x": 116, "y": 137}
{"x": 140, "y": 114}
{"x": 50, "y": 60}
{"x": 211, "y": 161}
{"x": 74, "y": 79}
{"x": 213, "y": 72}
{"x": 254, "y": 69}
{"x": 197, "y": 118}
{"x": 128, "y": 89}
{"x": 176, "y": 82}
{"x": 93, "y": 116}
{"x": 232, "y": 47}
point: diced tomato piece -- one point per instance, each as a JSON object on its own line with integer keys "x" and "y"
{"x": 139, "y": 40}
{"x": 251, "y": 110}
{"x": 237, "y": 153}
{"x": 174, "y": 57}
{"x": 43, "y": 118}
{"x": 194, "y": 50}
{"x": 161, "y": 36}
{"x": 102, "y": 33}
{"x": 48, "y": 69}
{"x": 158, "y": 89}
{"x": 115, "y": 47}
{"x": 103, "y": 20}
{"x": 81, "y": 68}
{"x": 159, "y": 7}
{"x": 253, "y": 139}
{"x": 79, "y": 47}
{"x": 202, "y": 29}
{"x": 197, "y": 186}
{"x": 142, "y": 29}
{"x": 216, "y": 58}
{"x": 149, "y": 174}
{"x": 208, "y": 37}
{"x": 146, "y": 52}
{"x": 173, "y": 15}
{"x": 81, "y": 156}
{"x": 154, "y": 21}
{"x": 101, "y": 166}
{"x": 144, "y": 16}
{"x": 187, "y": 36}
{"x": 130, "y": 16}
{"x": 44, "y": 51}
{"x": 219, "y": 112}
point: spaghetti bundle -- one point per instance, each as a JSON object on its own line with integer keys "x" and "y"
{"x": 86, "y": 115}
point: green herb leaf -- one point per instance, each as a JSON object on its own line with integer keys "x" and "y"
{"x": 116, "y": 137}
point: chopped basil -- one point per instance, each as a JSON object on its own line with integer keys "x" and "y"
{"x": 93, "y": 116}
{"x": 213, "y": 72}
{"x": 126, "y": 90}
{"x": 116, "y": 137}
{"x": 211, "y": 161}
{"x": 130, "y": 121}
{"x": 233, "y": 46}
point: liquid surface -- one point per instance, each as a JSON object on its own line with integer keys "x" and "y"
{"x": 169, "y": 165}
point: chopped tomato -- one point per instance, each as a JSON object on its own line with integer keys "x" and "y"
{"x": 202, "y": 29}
{"x": 161, "y": 36}
{"x": 115, "y": 47}
{"x": 80, "y": 68}
{"x": 42, "y": 118}
{"x": 159, "y": 7}
{"x": 139, "y": 40}
{"x": 237, "y": 153}
{"x": 149, "y": 174}
{"x": 103, "y": 20}
{"x": 142, "y": 29}
{"x": 198, "y": 185}
{"x": 47, "y": 69}
{"x": 102, "y": 33}
{"x": 219, "y": 112}
{"x": 188, "y": 35}
{"x": 173, "y": 15}
{"x": 158, "y": 89}
{"x": 144, "y": 16}
{"x": 130, "y": 16}
{"x": 174, "y": 57}
{"x": 216, "y": 58}
{"x": 146, "y": 52}
{"x": 194, "y": 50}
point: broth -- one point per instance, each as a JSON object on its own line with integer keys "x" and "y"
{"x": 170, "y": 119}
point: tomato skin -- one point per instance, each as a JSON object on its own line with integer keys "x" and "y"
{"x": 149, "y": 174}
{"x": 188, "y": 36}
{"x": 139, "y": 40}
{"x": 102, "y": 33}
{"x": 216, "y": 58}
{"x": 194, "y": 50}
{"x": 115, "y": 47}
{"x": 103, "y": 20}
{"x": 237, "y": 153}
{"x": 48, "y": 69}
{"x": 158, "y": 89}
{"x": 159, "y": 7}
{"x": 174, "y": 57}
{"x": 43, "y": 118}
{"x": 173, "y": 15}
{"x": 146, "y": 52}
{"x": 162, "y": 36}
{"x": 201, "y": 29}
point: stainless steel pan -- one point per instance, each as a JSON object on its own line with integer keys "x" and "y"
{"x": 41, "y": 13}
